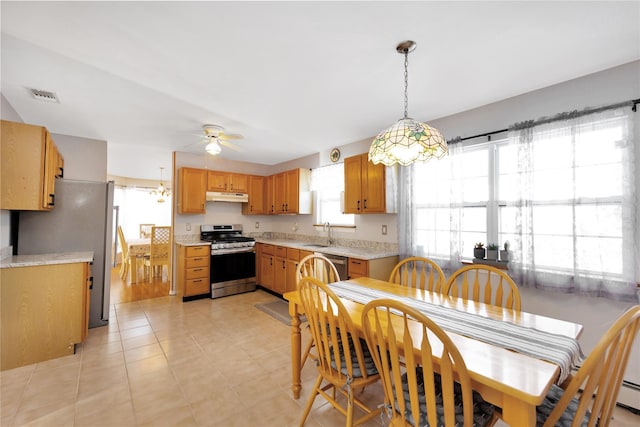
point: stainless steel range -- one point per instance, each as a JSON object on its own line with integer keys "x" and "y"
{"x": 233, "y": 259}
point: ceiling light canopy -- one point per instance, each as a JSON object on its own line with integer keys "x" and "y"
{"x": 407, "y": 140}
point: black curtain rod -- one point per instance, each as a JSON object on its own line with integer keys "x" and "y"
{"x": 633, "y": 103}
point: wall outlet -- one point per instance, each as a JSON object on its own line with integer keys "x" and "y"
{"x": 384, "y": 230}
{"x": 188, "y": 226}
{"x": 257, "y": 224}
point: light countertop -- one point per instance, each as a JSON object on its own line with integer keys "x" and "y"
{"x": 46, "y": 259}
{"x": 365, "y": 253}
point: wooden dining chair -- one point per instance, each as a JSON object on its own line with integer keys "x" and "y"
{"x": 420, "y": 273}
{"x": 435, "y": 385}
{"x": 588, "y": 398}
{"x": 145, "y": 230}
{"x": 486, "y": 284}
{"x": 125, "y": 261}
{"x": 321, "y": 268}
{"x": 344, "y": 361}
{"x": 158, "y": 252}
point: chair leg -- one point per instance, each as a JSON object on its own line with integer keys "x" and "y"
{"x": 314, "y": 393}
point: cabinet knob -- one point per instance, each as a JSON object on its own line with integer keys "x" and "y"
{"x": 365, "y": 203}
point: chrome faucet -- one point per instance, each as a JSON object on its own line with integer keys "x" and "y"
{"x": 327, "y": 227}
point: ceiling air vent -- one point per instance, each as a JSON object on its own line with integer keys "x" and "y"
{"x": 43, "y": 95}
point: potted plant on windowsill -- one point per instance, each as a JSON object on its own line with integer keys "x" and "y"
{"x": 478, "y": 251}
{"x": 492, "y": 252}
{"x": 504, "y": 254}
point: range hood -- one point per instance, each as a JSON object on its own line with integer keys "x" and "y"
{"x": 215, "y": 196}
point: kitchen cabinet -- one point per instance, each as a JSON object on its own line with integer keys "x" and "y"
{"x": 44, "y": 310}
{"x": 192, "y": 272}
{"x": 291, "y": 192}
{"x": 270, "y": 189}
{"x": 280, "y": 271}
{"x": 192, "y": 188}
{"x": 364, "y": 186}
{"x": 30, "y": 163}
{"x": 227, "y": 182}
{"x": 379, "y": 268}
{"x": 267, "y": 267}
{"x": 293, "y": 259}
{"x": 257, "y": 200}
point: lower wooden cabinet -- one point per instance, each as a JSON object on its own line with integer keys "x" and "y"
{"x": 193, "y": 270}
{"x": 267, "y": 266}
{"x": 379, "y": 268}
{"x": 44, "y": 311}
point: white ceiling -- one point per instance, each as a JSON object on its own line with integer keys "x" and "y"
{"x": 294, "y": 78}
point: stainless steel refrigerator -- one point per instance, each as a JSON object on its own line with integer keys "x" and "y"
{"x": 80, "y": 221}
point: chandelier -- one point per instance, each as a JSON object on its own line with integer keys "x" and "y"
{"x": 161, "y": 191}
{"x": 407, "y": 140}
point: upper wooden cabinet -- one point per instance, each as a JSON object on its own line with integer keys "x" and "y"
{"x": 291, "y": 192}
{"x": 364, "y": 186}
{"x": 227, "y": 182}
{"x": 30, "y": 163}
{"x": 192, "y": 185}
{"x": 257, "y": 199}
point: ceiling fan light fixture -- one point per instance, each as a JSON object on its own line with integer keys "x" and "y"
{"x": 407, "y": 140}
{"x": 213, "y": 148}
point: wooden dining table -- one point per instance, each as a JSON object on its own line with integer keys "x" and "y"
{"x": 515, "y": 382}
{"x": 138, "y": 248}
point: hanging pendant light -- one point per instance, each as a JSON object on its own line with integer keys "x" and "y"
{"x": 407, "y": 140}
{"x": 161, "y": 192}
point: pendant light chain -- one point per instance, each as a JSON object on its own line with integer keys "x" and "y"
{"x": 406, "y": 84}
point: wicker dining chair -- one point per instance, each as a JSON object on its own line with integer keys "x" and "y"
{"x": 343, "y": 359}
{"x": 420, "y": 273}
{"x": 321, "y": 268}
{"x": 159, "y": 251}
{"x": 600, "y": 375}
{"x": 437, "y": 392}
{"x": 486, "y": 284}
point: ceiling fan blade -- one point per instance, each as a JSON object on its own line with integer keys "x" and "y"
{"x": 229, "y": 136}
{"x": 230, "y": 145}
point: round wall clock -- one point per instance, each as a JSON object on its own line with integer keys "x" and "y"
{"x": 334, "y": 155}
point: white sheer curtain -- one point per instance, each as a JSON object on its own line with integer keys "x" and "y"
{"x": 562, "y": 193}
{"x": 571, "y": 213}
{"x": 430, "y": 209}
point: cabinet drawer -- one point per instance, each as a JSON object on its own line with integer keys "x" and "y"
{"x": 201, "y": 261}
{"x": 194, "y": 273}
{"x": 197, "y": 287}
{"x": 198, "y": 250}
{"x": 293, "y": 254}
{"x": 281, "y": 251}
{"x": 358, "y": 267}
{"x": 268, "y": 249}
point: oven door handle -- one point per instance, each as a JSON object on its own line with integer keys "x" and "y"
{"x": 215, "y": 252}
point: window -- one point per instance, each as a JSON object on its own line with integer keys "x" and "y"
{"x": 561, "y": 193}
{"x": 328, "y": 184}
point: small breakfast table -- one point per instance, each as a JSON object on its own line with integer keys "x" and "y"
{"x": 515, "y": 382}
{"x": 138, "y": 248}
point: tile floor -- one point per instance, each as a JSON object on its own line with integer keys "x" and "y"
{"x": 164, "y": 363}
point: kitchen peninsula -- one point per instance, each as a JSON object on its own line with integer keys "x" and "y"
{"x": 45, "y": 306}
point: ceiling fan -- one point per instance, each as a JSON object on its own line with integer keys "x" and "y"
{"x": 215, "y": 137}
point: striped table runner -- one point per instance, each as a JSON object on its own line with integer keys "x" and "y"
{"x": 559, "y": 349}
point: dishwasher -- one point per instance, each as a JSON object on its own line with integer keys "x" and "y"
{"x": 340, "y": 262}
